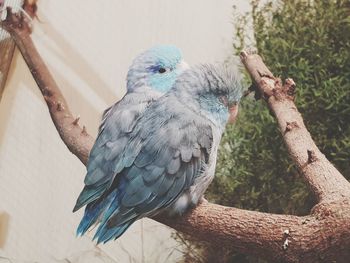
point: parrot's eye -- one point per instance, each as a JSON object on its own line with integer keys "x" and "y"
{"x": 161, "y": 70}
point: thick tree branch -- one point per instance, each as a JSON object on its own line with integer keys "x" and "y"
{"x": 323, "y": 178}
{"x": 281, "y": 238}
{"x": 321, "y": 237}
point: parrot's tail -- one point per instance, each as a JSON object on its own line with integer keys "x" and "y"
{"x": 104, "y": 234}
{"x": 114, "y": 222}
{"x": 89, "y": 195}
{"x": 94, "y": 210}
{"x": 113, "y": 218}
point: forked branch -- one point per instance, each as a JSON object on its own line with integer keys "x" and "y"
{"x": 322, "y": 236}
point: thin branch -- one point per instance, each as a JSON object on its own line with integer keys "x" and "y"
{"x": 325, "y": 181}
{"x": 76, "y": 138}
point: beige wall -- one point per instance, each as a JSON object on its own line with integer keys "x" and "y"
{"x": 88, "y": 46}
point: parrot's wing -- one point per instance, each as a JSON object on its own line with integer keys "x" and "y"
{"x": 162, "y": 159}
{"x": 117, "y": 123}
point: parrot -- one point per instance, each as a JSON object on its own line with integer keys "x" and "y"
{"x": 151, "y": 74}
{"x": 168, "y": 159}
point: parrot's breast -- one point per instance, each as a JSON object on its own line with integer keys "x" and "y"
{"x": 192, "y": 196}
{"x": 202, "y": 182}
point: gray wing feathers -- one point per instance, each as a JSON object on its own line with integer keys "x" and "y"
{"x": 114, "y": 131}
{"x": 155, "y": 162}
{"x": 166, "y": 161}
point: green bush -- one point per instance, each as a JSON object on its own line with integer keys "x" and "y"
{"x": 308, "y": 41}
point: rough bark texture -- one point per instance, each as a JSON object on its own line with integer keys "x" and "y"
{"x": 322, "y": 236}
{"x": 324, "y": 180}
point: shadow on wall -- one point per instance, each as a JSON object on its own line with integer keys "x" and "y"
{"x": 4, "y": 225}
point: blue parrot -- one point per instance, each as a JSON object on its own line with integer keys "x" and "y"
{"x": 151, "y": 74}
{"x": 168, "y": 159}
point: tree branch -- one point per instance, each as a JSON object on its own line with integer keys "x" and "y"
{"x": 325, "y": 234}
{"x": 76, "y": 138}
{"x": 324, "y": 179}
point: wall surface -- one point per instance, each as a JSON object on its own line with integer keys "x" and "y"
{"x": 88, "y": 46}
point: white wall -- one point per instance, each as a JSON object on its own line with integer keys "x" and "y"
{"x": 88, "y": 46}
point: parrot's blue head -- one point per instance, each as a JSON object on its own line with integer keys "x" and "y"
{"x": 213, "y": 90}
{"x": 156, "y": 68}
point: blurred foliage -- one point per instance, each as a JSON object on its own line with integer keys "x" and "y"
{"x": 308, "y": 41}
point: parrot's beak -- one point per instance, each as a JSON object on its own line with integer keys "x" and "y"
{"x": 233, "y": 111}
{"x": 183, "y": 65}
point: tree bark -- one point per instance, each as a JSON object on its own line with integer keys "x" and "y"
{"x": 322, "y": 236}
{"x": 323, "y": 178}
